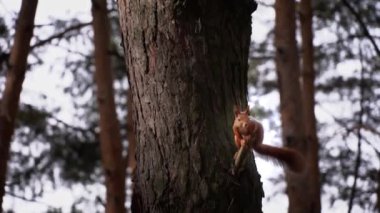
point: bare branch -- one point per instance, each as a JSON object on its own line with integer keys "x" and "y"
{"x": 359, "y": 134}
{"x": 362, "y": 25}
{"x": 60, "y": 34}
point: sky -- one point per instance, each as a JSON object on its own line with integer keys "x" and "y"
{"x": 51, "y": 85}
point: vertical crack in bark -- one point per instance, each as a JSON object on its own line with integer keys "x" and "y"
{"x": 234, "y": 89}
{"x": 224, "y": 86}
{"x": 137, "y": 93}
{"x": 155, "y": 32}
{"x": 146, "y": 71}
{"x": 160, "y": 150}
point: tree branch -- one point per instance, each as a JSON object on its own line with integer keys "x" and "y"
{"x": 362, "y": 25}
{"x": 358, "y": 157}
{"x": 60, "y": 34}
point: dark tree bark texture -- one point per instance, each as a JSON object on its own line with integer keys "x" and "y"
{"x": 13, "y": 86}
{"x": 187, "y": 64}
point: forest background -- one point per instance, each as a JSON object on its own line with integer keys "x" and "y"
{"x": 55, "y": 156}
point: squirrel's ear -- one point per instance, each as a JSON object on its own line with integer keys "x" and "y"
{"x": 246, "y": 110}
{"x": 236, "y": 110}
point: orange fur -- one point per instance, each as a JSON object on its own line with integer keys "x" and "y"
{"x": 248, "y": 130}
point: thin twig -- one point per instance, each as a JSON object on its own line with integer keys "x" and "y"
{"x": 376, "y": 150}
{"x": 358, "y": 157}
{"x": 60, "y": 34}
{"x": 362, "y": 25}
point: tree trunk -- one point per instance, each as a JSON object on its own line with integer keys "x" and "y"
{"x": 293, "y": 132}
{"x": 308, "y": 75}
{"x": 131, "y": 135}
{"x": 187, "y": 64}
{"x": 110, "y": 139}
{"x": 15, "y": 77}
{"x": 131, "y": 154}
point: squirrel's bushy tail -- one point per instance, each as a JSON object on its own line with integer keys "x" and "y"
{"x": 291, "y": 158}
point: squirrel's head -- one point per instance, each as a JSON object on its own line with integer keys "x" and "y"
{"x": 242, "y": 120}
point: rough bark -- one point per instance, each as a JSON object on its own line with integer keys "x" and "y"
{"x": 308, "y": 76}
{"x": 187, "y": 64}
{"x": 293, "y": 132}
{"x": 110, "y": 139}
{"x": 14, "y": 79}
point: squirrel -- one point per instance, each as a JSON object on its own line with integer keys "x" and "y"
{"x": 249, "y": 132}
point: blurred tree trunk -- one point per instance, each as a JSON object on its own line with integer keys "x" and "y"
{"x": 131, "y": 136}
{"x": 131, "y": 154}
{"x": 293, "y": 131}
{"x": 308, "y": 76}
{"x": 110, "y": 139}
{"x": 187, "y": 65}
{"x": 14, "y": 79}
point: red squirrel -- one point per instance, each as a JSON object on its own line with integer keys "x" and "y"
{"x": 249, "y": 132}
